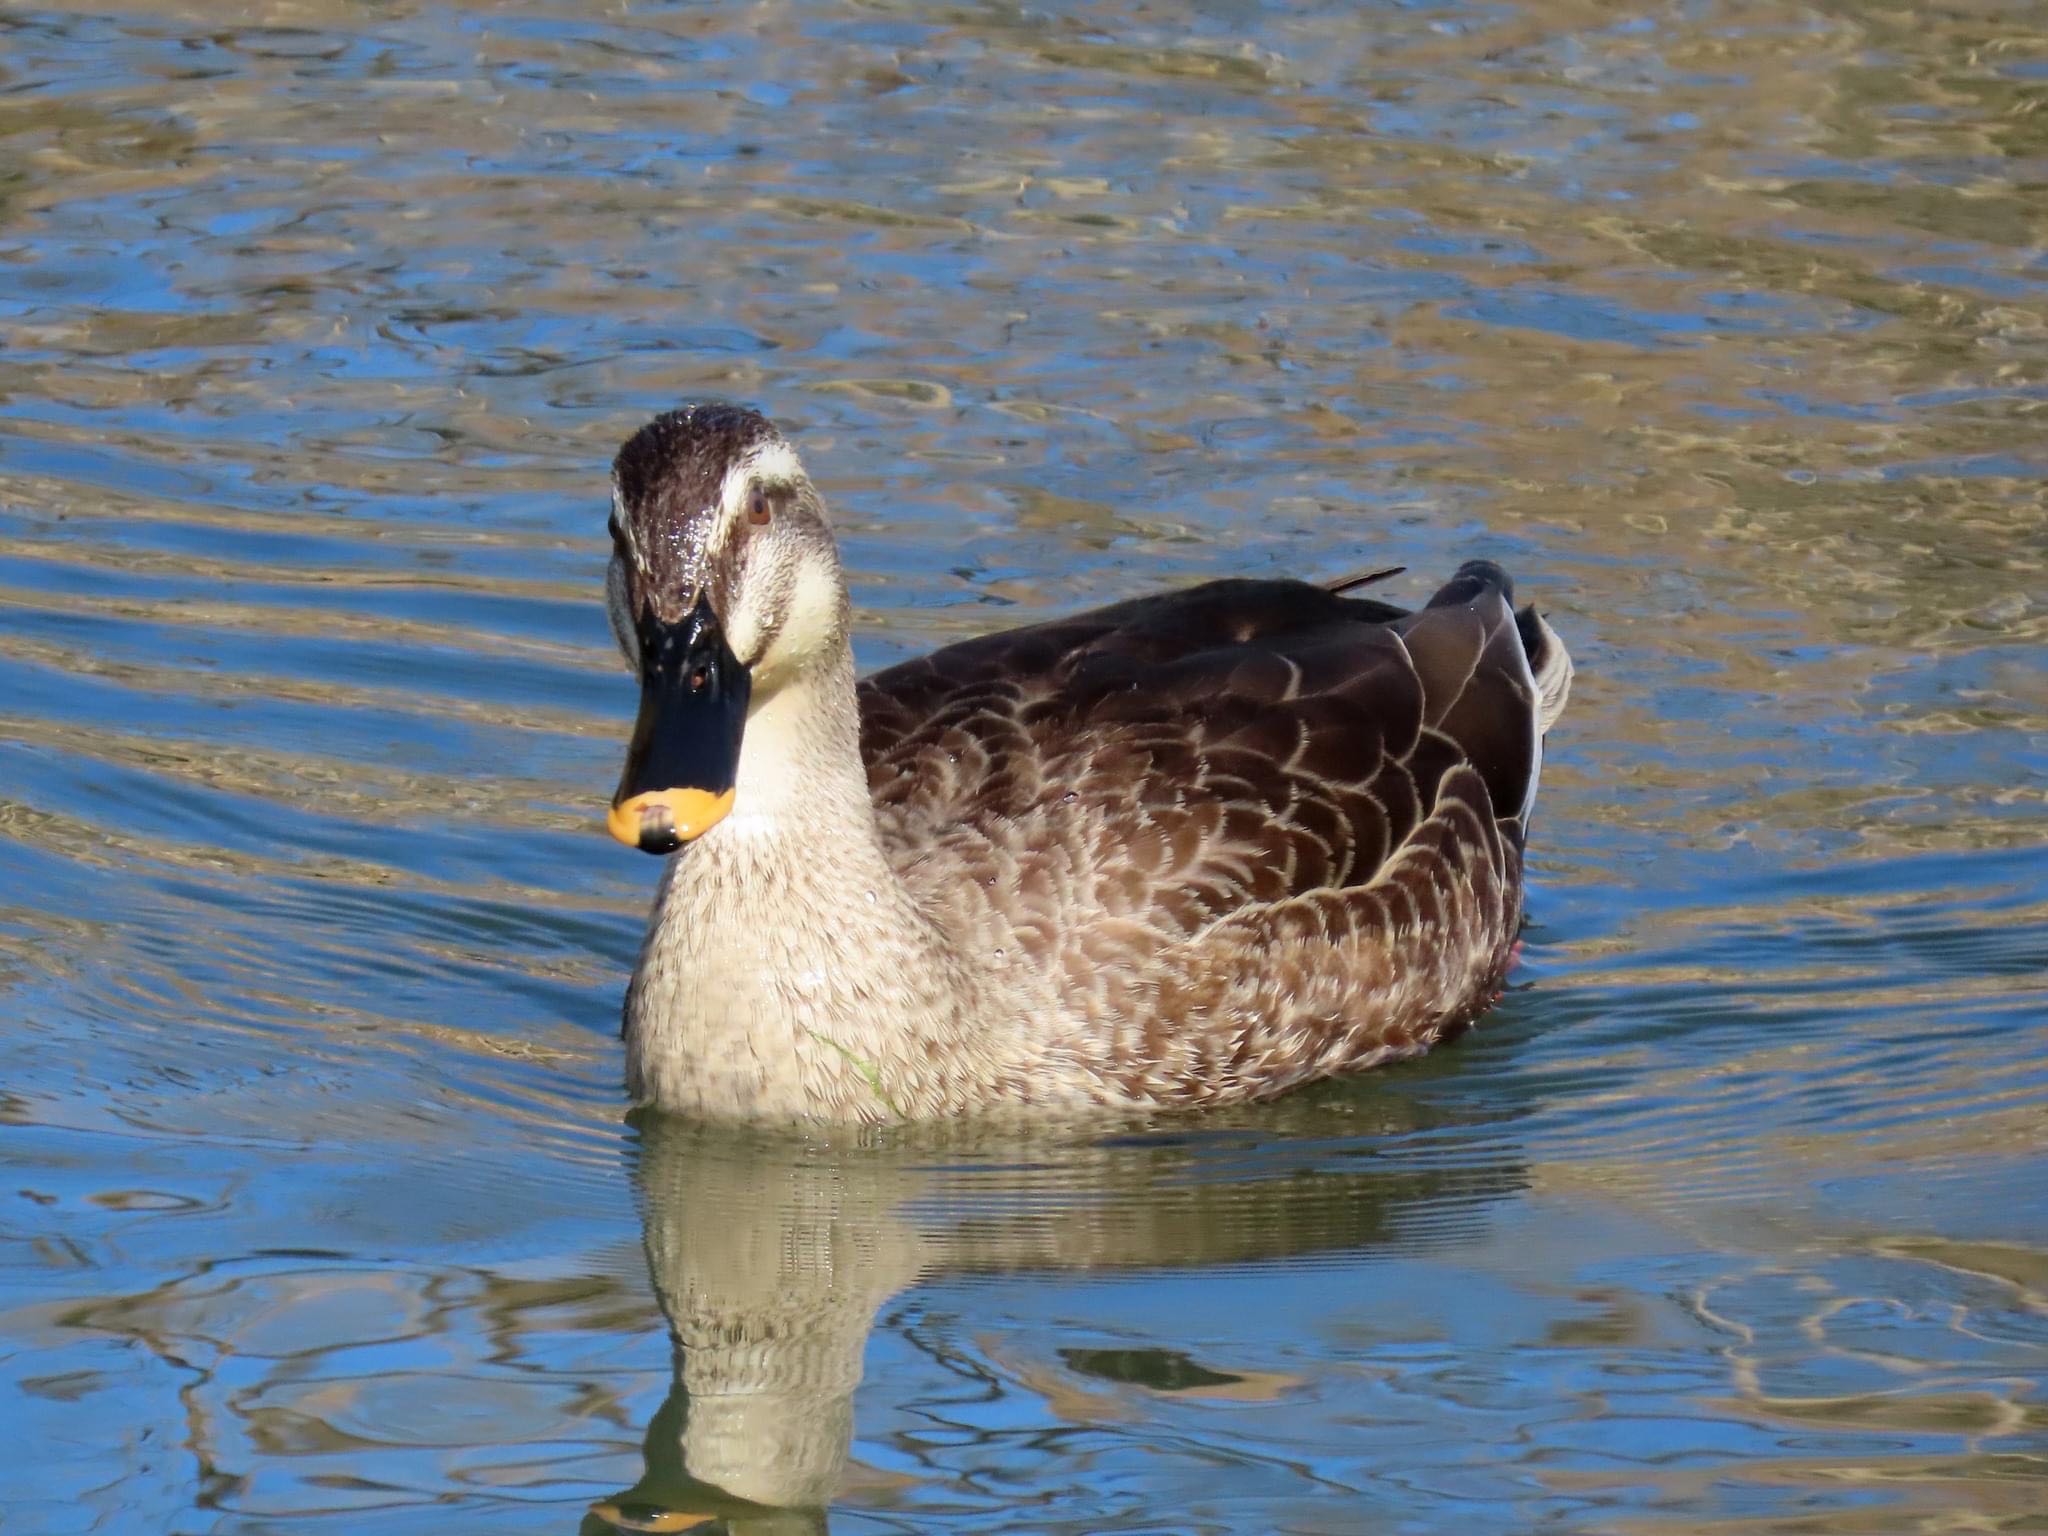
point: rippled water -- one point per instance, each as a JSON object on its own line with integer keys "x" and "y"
{"x": 1724, "y": 324}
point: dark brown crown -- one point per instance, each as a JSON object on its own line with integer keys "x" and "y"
{"x": 676, "y": 464}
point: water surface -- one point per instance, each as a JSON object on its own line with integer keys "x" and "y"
{"x": 1724, "y": 325}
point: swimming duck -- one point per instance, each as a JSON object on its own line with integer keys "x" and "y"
{"x": 1190, "y": 849}
{"x": 771, "y": 1254}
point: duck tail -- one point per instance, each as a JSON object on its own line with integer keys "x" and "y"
{"x": 1549, "y": 662}
{"x": 1372, "y": 578}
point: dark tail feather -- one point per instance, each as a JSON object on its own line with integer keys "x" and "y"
{"x": 1550, "y": 664}
{"x": 1474, "y": 580}
{"x": 1359, "y": 579}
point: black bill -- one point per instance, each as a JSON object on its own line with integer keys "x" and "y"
{"x": 685, "y": 755}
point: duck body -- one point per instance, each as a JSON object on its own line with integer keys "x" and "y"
{"x": 1191, "y": 849}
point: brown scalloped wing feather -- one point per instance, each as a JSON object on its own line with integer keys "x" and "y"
{"x": 1255, "y": 831}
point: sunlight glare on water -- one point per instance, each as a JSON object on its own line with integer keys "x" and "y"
{"x": 1724, "y": 326}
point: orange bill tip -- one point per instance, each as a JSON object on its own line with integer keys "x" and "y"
{"x": 660, "y": 820}
{"x": 658, "y": 1521}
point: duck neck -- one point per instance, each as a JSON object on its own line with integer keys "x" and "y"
{"x": 800, "y": 771}
{"x": 787, "y": 971}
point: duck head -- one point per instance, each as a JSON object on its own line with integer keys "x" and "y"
{"x": 724, "y": 589}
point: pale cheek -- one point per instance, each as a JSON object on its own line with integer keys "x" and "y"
{"x": 750, "y": 627}
{"x": 743, "y": 634}
{"x": 813, "y": 611}
{"x": 809, "y": 604}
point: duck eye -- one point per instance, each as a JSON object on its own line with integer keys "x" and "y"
{"x": 757, "y": 507}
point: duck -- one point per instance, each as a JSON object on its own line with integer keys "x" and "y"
{"x": 1191, "y": 849}
{"x": 771, "y": 1253}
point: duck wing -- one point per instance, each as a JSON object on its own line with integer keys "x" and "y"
{"x": 1240, "y": 824}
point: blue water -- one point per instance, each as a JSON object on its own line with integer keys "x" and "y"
{"x": 1724, "y": 327}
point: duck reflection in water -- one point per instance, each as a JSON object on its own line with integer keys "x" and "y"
{"x": 771, "y": 1254}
